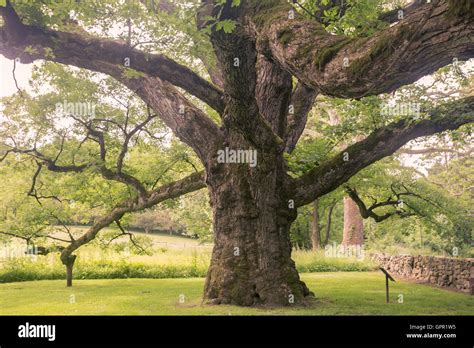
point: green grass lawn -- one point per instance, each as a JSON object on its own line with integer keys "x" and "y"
{"x": 337, "y": 293}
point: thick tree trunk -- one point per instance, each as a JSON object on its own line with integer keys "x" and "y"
{"x": 315, "y": 228}
{"x": 353, "y": 224}
{"x": 251, "y": 260}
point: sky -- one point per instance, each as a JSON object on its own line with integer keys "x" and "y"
{"x": 7, "y": 83}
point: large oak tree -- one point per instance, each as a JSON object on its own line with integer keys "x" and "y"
{"x": 260, "y": 108}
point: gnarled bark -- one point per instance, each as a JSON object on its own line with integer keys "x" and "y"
{"x": 251, "y": 260}
{"x": 428, "y": 38}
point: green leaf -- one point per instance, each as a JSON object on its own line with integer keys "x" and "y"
{"x": 227, "y": 25}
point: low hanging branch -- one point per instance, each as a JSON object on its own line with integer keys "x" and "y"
{"x": 175, "y": 189}
{"x": 85, "y": 51}
{"x": 130, "y": 235}
{"x": 145, "y": 199}
{"x": 33, "y": 192}
{"x": 33, "y": 236}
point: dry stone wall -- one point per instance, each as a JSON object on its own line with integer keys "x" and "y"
{"x": 455, "y": 273}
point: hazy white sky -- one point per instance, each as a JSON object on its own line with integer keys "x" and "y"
{"x": 22, "y": 73}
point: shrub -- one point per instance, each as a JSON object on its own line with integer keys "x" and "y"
{"x": 309, "y": 261}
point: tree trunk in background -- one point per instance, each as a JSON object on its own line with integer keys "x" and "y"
{"x": 328, "y": 225}
{"x": 353, "y": 224}
{"x": 315, "y": 228}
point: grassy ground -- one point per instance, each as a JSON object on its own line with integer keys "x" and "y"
{"x": 336, "y": 294}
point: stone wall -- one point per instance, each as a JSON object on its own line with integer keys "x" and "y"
{"x": 455, "y": 273}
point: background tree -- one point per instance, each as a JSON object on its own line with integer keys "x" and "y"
{"x": 353, "y": 233}
{"x": 195, "y": 214}
{"x": 155, "y": 220}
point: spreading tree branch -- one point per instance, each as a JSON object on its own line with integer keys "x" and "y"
{"x": 131, "y": 237}
{"x": 381, "y": 143}
{"x": 368, "y": 212}
{"x": 428, "y": 38}
{"x": 150, "y": 80}
{"x": 175, "y": 189}
{"x": 83, "y": 50}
